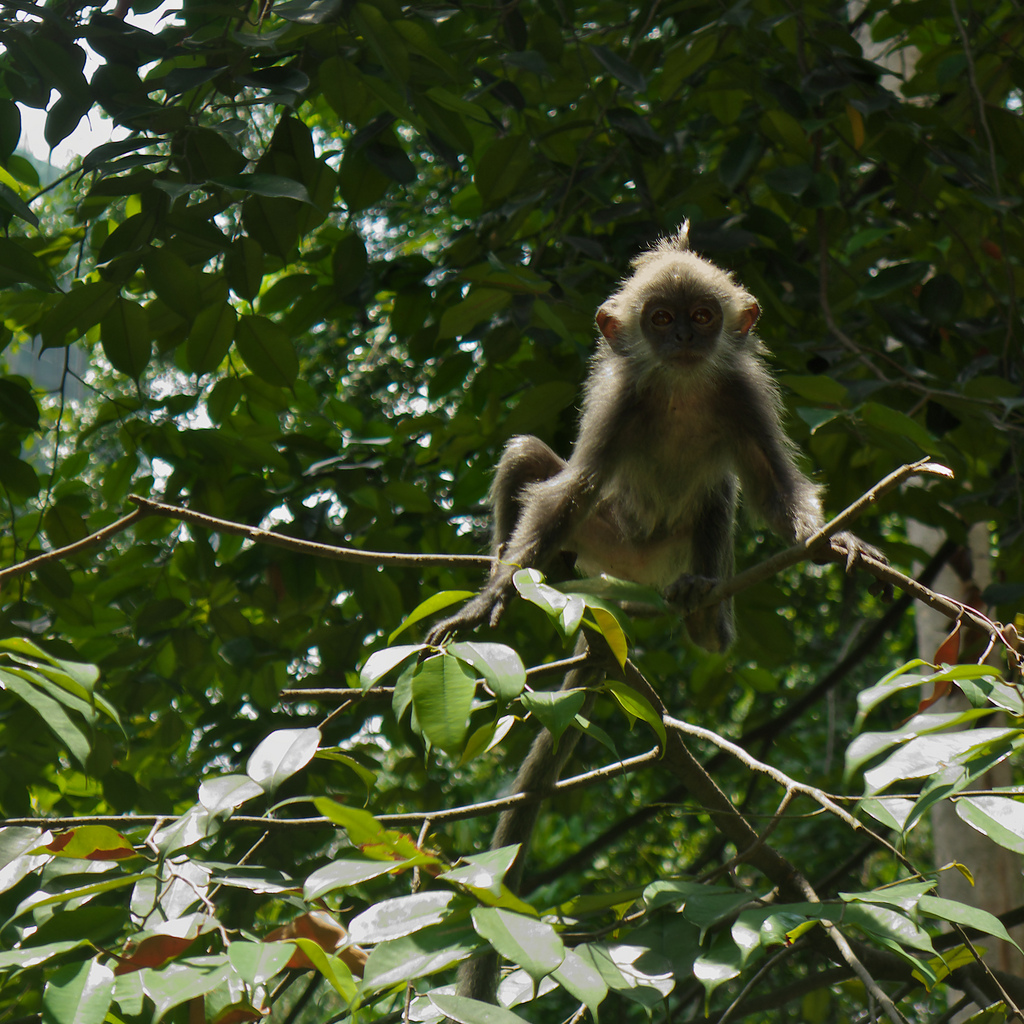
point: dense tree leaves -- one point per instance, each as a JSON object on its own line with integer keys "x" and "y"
{"x": 332, "y": 258}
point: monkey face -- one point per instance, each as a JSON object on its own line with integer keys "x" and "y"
{"x": 682, "y": 328}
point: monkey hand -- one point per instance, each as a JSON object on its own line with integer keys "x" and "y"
{"x": 848, "y": 548}
{"x": 487, "y": 606}
{"x": 687, "y": 592}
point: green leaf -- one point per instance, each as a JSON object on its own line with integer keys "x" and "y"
{"x": 267, "y": 350}
{"x": 926, "y": 755}
{"x": 17, "y": 405}
{"x": 176, "y": 983}
{"x": 392, "y": 919}
{"x": 210, "y": 337}
{"x": 256, "y": 962}
{"x": 1001, "y": 818}
{"x": 891, "y": 279}
{"x": 429, "y": 608}
{"x": 76, "y": 311}
{"x": 380, "y": 663}
{"x": 126, "y": 339}
{"x": 78, "y": 994}
{"x": 19, "y": 266}
{"x": 442, "y": 696}
{"x": 415, "y": 956}
{"x": 471, "y": 1011}
{"x": 174, "y": 281}
{"x": 479, "y": 306}
{"x": 52, "y": 714}
{"x": 340, "y": 874}
{"x": 273, "y": 186}
{"x": 621, "y": 69}
{"x": 532, "y": 944}
{"x": 223, "y": 793}
{"x": 557, "y": 710}
{"x": 500, "y": 666}
{"x": 500, "y": 168}
{"x": 280, "y": 755}
{"x": 637, "y": 707}
{"x": 582, "y": 981}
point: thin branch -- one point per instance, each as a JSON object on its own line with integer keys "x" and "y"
{"x": 70, "y": 550}
{"x": 302, "y": 547}
{"x": 790, "y": 785}
{"x": 608, "y": 771}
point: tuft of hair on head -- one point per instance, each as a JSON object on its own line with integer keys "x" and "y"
{"x": 679, "y": 242}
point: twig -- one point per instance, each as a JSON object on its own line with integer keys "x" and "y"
{"x": 608, "y": 771}
{"x": 70, "y": 550}
{"x": 302, "y": 547}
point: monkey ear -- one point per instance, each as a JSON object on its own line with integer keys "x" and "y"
{"x": 609, "y": 326}
{"x": 748, "y": 318}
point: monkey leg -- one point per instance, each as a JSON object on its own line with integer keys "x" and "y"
{"x": 712, "y": 560}
{"x": 540, "y": 770}
{"x": 526, "y": 460}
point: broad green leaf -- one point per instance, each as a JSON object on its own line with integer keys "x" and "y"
{"x": 429, "y": 608}
{"x": 267, "y": 350}
{"x": 334, "y": 969}
{"x": 485, "y": 738}
{"x": 209, "y": 337}
{"x": 904, "y": 895}
{"x": 392, "y": 919}
{"x": 1001, "y": 818}
{"x": 719, "y": 964}
{"x": 500, "y": 666}
{"x": 380, "y": 663}
{"x": 280, "y": 755}
{"x": 17, "y": 405}
{"x": 176, "y": 283}
{"x": 926, "y": 755}
{"x": 442, "y": 696}
{"x": 532, "y": 944}
{"x": 340, "y": 874}
{"x": 612, "y": 632}
{"x": 273, "y": 186}
{"x": 416, "y": 956}
{"x": 556, "y": 710}
{"x": 223, "y": 793}
{"x": 581, "y": 980}
{"x": 90, "y": 842}
{"x": 126, "y": 338}
{"x": 502, "y": 165}
{"x": 255, "y": 962}
{"x": 480, "y": 305}
{"x": 19, "y": 266}
{"x": 53, "y": 715}
{"x": 471, "y": 1011}
{"x": 970, "y": 917}
{"x": 377, "y": 842}
{"x": 33, "y": 956}
{"x": 637, "y": 707}
{"x": 78, "y": 994}
{"x": 176, "y": 983}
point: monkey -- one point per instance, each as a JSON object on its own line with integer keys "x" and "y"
{"x": 679, "y": 416}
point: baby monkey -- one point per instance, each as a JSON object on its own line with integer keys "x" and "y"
{"x": 679, "y": 414}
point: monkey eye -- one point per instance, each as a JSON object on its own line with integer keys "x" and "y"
{"x": 702, "y": 316}
{"x": 661, "y": 318}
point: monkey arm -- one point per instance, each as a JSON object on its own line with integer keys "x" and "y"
{"x": 537, "y": 498}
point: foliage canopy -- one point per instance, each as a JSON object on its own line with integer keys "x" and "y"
{"x": 338, "y": 253}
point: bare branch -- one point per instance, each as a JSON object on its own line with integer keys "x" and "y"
{"x": 302, "y": 547}
{"x": 70, "y": 550}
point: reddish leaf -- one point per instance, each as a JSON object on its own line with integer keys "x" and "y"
{"x": 152, "y": 952}
{"x": 327, "y": 933}
{"x": 948, "y": 652}
{"x": 938, "y": 692}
